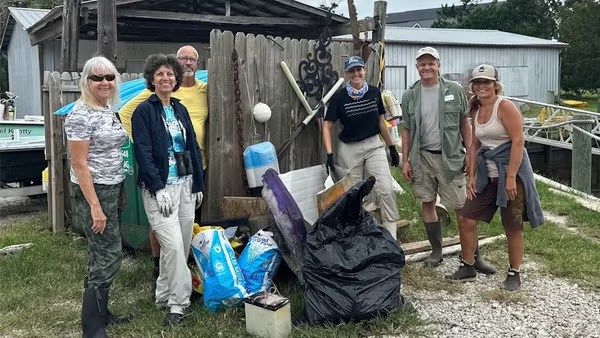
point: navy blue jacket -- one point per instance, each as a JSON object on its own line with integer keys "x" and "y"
{"x": 151, "y": 143}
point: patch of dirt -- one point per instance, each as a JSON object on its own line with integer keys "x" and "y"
{"x": 18, "y": 209}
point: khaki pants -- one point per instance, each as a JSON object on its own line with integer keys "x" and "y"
{"x": 174, "y": 233}
{"x": 367, "y": 158}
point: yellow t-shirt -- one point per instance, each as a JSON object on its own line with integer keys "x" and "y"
{"x": 193, "y": 98}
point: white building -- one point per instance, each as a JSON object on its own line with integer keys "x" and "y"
{"x": 528, "y": 67}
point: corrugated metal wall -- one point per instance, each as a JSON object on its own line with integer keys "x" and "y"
{"x": 23, "y": 75}
{"x": 525, "y": 72}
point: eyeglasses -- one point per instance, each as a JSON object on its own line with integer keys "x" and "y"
{"x": 187, "y": 58}
{"x": 98, "y": 78}
{"x": 482, "y": 82}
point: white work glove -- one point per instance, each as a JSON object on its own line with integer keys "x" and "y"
{"x": 199, "y": 196}
{"x": 165, "y": 204}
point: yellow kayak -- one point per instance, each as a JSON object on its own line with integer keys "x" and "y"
{"x": 574, "y": 103}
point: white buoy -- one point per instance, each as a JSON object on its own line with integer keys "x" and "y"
{"x": 261, "y": 112}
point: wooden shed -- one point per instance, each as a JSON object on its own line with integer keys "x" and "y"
{"x": 245, "y": 41}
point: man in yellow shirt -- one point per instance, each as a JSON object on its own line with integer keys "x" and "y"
{"x": 193, "y": 95}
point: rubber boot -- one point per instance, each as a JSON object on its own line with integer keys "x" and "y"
{"x": 434, "y": 235}
{"x": 482, "y": 266}
{"x": 391, "y": 228}
{"x": 111, "y": 318}
{"x": 93, "y": 313}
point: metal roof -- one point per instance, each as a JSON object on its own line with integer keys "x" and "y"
{"x": 25, "y": 17}
{"x": 462, "y": 37}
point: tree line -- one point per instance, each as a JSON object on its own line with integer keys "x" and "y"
{"x": 574, "y": 22}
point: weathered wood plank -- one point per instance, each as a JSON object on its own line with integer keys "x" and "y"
{"x": 107, "y": 29}
{"x": 237, "y": 20}
{"x": 238, "y": 207}
{"x": 56, "y": 151}
{"x": 70, "y": 35}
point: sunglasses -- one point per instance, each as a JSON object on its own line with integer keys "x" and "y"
{"x": 98, "y": 78}
{"x": 482, "y": 82}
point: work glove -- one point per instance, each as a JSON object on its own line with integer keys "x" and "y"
{"x": 394, "y": 155}
{"x": 199, "y": 197}
{"x": 165, "y": 204}
{"x": 330, "y": 167}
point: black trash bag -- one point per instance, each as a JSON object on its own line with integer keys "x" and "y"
{"x": 351, "y": 264}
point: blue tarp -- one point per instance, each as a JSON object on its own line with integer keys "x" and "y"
{"x": 128, "y": 91}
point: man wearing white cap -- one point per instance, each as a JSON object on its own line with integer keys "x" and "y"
{"x": 436, "y": 126}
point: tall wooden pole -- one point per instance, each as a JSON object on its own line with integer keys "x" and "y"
{"x": 354, "y": 27}
{"x": 107, "y": 29}
{"x": 70, "y": 36}
{"x": 380, "y": 13}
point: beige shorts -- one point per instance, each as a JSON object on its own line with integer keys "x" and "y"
{"x": 430, "y": 182}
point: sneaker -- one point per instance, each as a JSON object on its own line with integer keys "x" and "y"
{"x": 512, "y": 281}
{"x": 465, "y": 273}
{"x": 484, "y": 267}
{"x": 173, "y": 319}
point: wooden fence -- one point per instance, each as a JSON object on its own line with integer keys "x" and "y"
{"x": 260, "y": 76}
{"x": 58, "y": 91}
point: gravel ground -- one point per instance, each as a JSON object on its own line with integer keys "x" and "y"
{"x": 15, "y": 209}
{"x": 544, "y": 307}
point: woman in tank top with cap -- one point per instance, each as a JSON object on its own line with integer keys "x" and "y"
{"x": 502, "y": 177}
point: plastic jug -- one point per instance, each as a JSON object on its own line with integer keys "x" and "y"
{"x": 258, "y": 158}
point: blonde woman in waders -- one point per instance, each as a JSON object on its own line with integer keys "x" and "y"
{"x": 95, "y": 137}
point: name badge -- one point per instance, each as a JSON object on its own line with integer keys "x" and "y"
{"x": 448, "y": 98}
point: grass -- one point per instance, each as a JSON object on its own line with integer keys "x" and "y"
{"x": 41, "y": 287}
{"x": 41, "y": 295}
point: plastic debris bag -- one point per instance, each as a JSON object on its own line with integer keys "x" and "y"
{"x": 222, "y": 278}
{"x": 259, "y": 262}
{"x": 351, "y": 264}
{"x": 290, "y": 233}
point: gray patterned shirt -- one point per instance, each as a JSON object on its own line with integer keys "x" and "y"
{"x": 106, "y": 136}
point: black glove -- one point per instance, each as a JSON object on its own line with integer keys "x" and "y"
{"x": 329, "y": 165}
{"x": 394, "y": 155}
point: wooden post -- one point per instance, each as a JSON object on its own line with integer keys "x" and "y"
{"x": 227, "y": 8}
{"x": 56, "y": 154}
{"x": 379, "y": 14}
{"x": 581, "y": 158}
{"x": 107, "y": 29}
{"x": 354, "y": 27}
{"x": 70, "y": 35}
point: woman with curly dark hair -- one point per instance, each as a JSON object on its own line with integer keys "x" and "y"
{"x": 170, "y": 176}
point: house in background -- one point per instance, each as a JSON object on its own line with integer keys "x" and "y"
{"x": 528, "y": 67}
{"x": 416, "y": 18}
{"x": 32, "y": 41}
{"x": 421, "y": 18}
{"x": 24, "y": 76}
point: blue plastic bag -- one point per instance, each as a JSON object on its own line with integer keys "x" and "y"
{"x": 259, "y": 262}
{"x": 222, "y": 277}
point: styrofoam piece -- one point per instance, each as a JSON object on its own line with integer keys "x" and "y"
{"x": 303, "y": 185}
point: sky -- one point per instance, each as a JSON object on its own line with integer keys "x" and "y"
{"x": 365, "y": 7}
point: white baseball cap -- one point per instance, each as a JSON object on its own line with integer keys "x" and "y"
{"x": 428, "y": 50}
{"x": 485, "y": 72}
